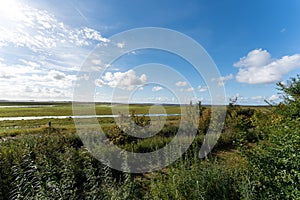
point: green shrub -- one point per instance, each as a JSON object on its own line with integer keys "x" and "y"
{"x": 275, "y": 163}
{"x": 290, "y": 92}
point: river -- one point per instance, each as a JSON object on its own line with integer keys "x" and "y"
{"x": 82, "y": 116}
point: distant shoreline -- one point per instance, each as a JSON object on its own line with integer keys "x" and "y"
{"x": 51, "y": 103}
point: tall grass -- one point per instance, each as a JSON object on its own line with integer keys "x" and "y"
{"x": 56, "y": 165}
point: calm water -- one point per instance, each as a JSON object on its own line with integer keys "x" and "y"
{"x": 83, "y": 116}
{"x": 27, "y": 106}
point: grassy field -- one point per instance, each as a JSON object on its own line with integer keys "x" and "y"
{"x": 62, "y": 109}
{"x": 42, "y": 162}
{"x": 16, "y": 127}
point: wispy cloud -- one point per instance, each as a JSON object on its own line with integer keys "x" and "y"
{"x": 274, "y": 98}
{"x": 181, "y": 83}
{"x": 202, "y": 88}
{"x": 283, "y": 30}
{"x": 40, "y": 31}
{"x": 156, "y": 88}
{"x": 40, "y": 54}
{"x": 121, "y": 45}
{"x": 190, "y": 89}
{"x": 222, "y": 80}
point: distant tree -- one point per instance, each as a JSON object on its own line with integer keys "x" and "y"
{"x": 290, "y": 93}
{"x": 233, "y": 102}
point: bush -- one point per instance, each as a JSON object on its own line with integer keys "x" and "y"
{"x": 275, "y": 163}
{"x": 290, "y": 92}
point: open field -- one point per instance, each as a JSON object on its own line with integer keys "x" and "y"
{"x": 15, "y": 127}
{"x": 62, "y": 109}
{"x": 13, "y": 109}
{"x": 36, "y": 159}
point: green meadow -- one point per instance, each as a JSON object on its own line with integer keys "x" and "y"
{"x": 62, "y": 109}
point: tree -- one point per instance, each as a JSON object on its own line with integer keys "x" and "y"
{"x": 290, "y": 93}
{"x": 274, "y": 163}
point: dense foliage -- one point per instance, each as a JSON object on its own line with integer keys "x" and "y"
{"x": 275, "y": 160}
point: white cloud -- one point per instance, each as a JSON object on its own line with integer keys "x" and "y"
{"x": 156, "y": 88}
{"x": 56, "y": 75}
{"x": 96, "y": 61}
{"x": 18, "y": 69}
{"x": 160, "y": 99}
{"x": 27, "y": 81}
{"x": 222, "y": 79}
{"x": 257, "y": 98}
{"x": 191, "y": 89}
{"x": 258, "y": 67}
{"x": 274, "y": 98}
{"x": 124, "y": 80}
{"x": 181, "y": 83}
{"x": 202, "y": 88}
{"x": 99, "y": 82}
{"x": 255, "y": 58}
{"x": 46, "y": 52}
{"x": 29, "y": 63}
{"x": 39, "y": 30}
{"x": 240, "y": 98}
{"x": 121, "y": 45}
{"x": 93, "y": 35}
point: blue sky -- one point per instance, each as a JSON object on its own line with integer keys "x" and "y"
{"x": 44, "y": 43}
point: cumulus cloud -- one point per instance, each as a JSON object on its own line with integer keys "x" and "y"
{"x": 255, "y": 58}
{"x": 124, "y": 80}
{"x": 259, "y": 67}
{"x": 156, "y": 88}
{"x": 222, "y": 79}
{"x": 181, "y": 83}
